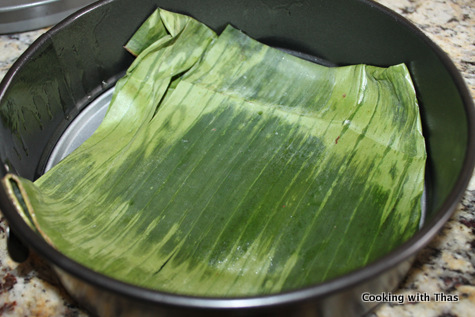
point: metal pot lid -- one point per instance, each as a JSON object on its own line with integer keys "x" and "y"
{"x": 25, "y": 15}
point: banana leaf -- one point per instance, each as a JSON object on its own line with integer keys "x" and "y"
{"x": 225, "y": 167}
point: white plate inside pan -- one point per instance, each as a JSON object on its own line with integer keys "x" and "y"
{"x": 81, "y": 128}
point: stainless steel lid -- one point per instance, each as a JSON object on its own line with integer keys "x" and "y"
{"x": 25, "y": 15}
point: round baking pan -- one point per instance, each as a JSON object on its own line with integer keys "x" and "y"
{"x": 76, "y": 63}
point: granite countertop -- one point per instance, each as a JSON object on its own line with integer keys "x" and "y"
{"x": 446, "y": 265}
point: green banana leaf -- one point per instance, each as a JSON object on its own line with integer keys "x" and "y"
{"x": 225, "y": 167}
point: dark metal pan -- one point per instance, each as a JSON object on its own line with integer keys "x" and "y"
{"x": 82, "y": 57}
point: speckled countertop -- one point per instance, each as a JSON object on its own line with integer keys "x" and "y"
{"x": 446, "y": 266}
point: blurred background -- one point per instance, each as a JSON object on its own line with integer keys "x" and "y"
{"x": 25, "y": 15}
